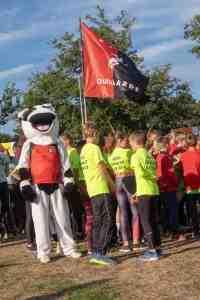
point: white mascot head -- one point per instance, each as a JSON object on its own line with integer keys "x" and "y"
{"x": 40, "y": 124}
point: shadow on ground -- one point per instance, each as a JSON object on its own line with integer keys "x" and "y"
{"x": 69, "y": 290}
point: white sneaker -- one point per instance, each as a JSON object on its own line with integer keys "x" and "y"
{"x": 59, "y": 250}
{"x": 45, "y": 259}
{"x": 73, "y": 254}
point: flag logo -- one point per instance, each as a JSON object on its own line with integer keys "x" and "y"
{"x": 112, "y": 62}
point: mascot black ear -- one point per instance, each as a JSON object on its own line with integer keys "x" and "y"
{"x": 68, "y": 173}
{"x": 23, "y": 115}
{"x": 24, "y": 174}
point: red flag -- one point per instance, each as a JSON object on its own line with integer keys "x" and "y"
{"x": 108, "y": 73}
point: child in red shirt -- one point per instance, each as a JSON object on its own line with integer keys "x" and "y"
{"x": 198, "y": 143}
{"x": 176, "y": 143}
{"x": 168, "y": 185}
{"x": 190, "y": 162}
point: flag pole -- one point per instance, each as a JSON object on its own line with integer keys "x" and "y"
{"x": 85, "y": 109}
{"x": 80, "y": 82}
{"x": 82, "y": 76}
{"x": 81, "y": 102}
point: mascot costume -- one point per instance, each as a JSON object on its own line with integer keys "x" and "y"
{"x": 45, "y": 176}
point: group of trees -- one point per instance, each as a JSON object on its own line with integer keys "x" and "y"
{"x": 10, "y": 102}
{"x": 170, "y": 105}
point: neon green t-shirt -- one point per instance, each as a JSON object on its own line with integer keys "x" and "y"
{"x": 75, "y": 162}
{"x": 106, "y": 156}
{"x": 120, "y": 160}
{"x": 74, "y": 157}
{"x": 96, "y": 183}
{"x": 144, "y": 166}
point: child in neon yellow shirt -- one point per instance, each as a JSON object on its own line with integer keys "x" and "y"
{"x": 119, "y": 161}
{"x": 74, "y": 199}
{"x": 144, "y": 167}
{"x": 99, "y": 186}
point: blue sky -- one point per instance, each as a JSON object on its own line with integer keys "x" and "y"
{"x": 28, "y": 26}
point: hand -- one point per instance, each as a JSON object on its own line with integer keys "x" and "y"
{"x": 112, "y": 188}
{"x": 134, "y": 199}
{"x": 28, "y": 194}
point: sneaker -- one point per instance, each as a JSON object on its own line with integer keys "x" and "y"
{"x": 125, "y": 249}
{"x": 89, "y": 253}
{"x": 45, "y": 259}
{"x": 149, "y": 255}
{"x": 181, "y": 238}
{"x": 74, "y": 254}
{"x": 195, "y": 236}
{"x": 102, "y": 260}
{"x": 31, "y": 246}
{"x": 139, "y": 247}
{"x": 5, "y": 236}
{"x": 160, "y": 252}
{"x": 59, "y": 250}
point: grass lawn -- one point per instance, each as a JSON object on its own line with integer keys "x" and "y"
{"x": 176, "y": 276}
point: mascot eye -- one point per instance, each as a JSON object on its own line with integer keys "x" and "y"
{"x": 25, "y": 115}
{"x": 47, "y": 106}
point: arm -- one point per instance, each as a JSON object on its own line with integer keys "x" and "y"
{"x": 104, "y": 171}
{"x": 24, "y": 173}
{"x": 75, "y": 164}
{"x": 67, "y": 175}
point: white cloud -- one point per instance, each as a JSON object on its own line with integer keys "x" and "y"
{"x": 38, "y": 29}
{"x": 159, "y": 49}
{"x": 14, "y": 35}
{"x": 15, "y": 71}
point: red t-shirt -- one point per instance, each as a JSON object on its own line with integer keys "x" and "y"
{"x": 173, "y": 149}
{"x": 190, "y": 161}
{"x": 167, "y": 179}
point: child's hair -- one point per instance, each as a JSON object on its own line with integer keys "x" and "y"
{"x": 67, "y": 136}
{"x": 191, "y": 140}
{"x": 153, "y": 132}
{"x": 90, "y": 130}
{"x": 120, "y": 135}
{"x": 105, "y": 134}
{"x": 80, "y": 144}
{"x": 139, "y": 137}
{"x": 2, "y": 148}
{"x": 161, "y": 144}
{"x": 181, "y": 137}
{"x": 172, "y": 134}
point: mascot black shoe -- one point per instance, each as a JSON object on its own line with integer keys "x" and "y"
{"x": 45, "y": 175}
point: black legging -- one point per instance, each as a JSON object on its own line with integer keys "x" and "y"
{"x": 6, "y": 217}
{"x": 30, "y": 232}
{"x": 148, "y": 213}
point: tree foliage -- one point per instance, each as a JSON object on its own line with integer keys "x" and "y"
{"x": 9, "y": 102}
{"x": 170, "y": 102}
{"x": 192, "y": 32}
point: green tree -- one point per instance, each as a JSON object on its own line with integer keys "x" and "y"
{"x": 9, "y": 102}
{"x": 170, "y": 102}
{"x": 192, "y": 32}
{"x": 59, "y": 85}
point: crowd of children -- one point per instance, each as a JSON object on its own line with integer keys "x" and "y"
{"x": 130, "y": 190}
